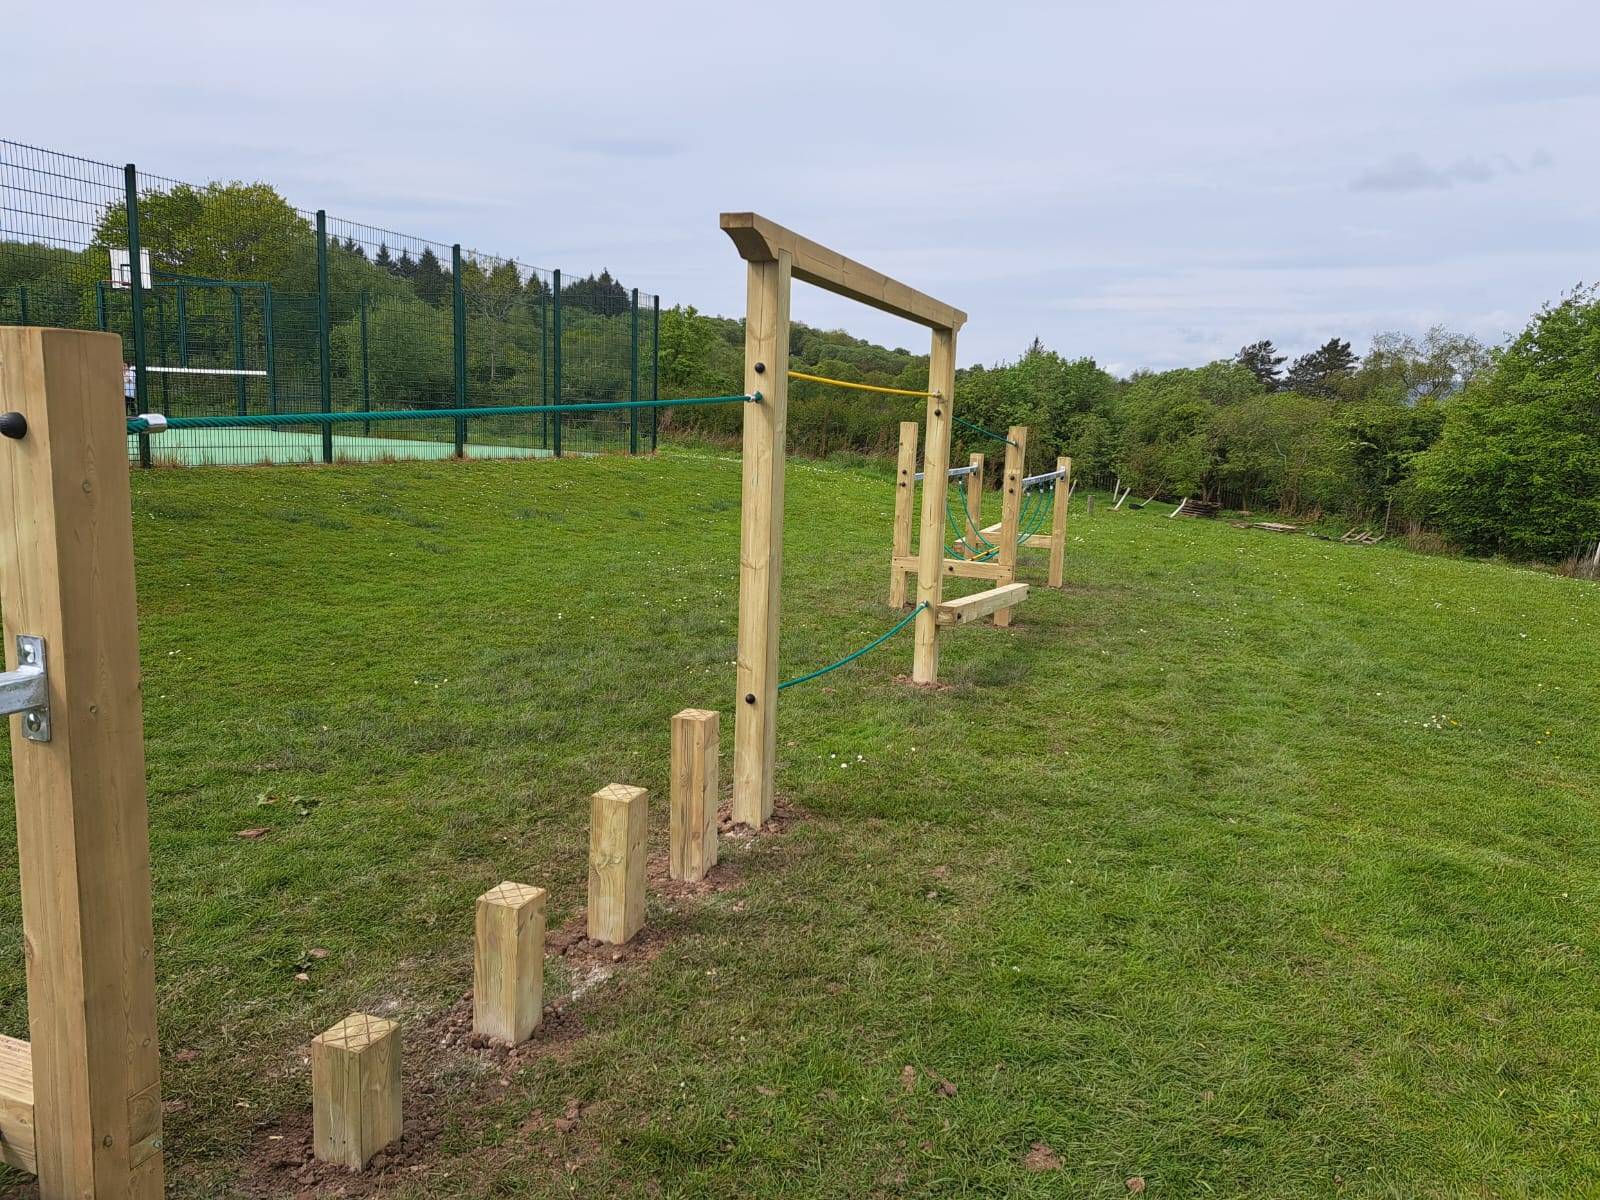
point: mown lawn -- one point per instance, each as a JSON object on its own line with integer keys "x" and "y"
{"x": 1249, "y": 865}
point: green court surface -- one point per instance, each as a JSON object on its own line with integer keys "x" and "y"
{"x": 251, "y": 447}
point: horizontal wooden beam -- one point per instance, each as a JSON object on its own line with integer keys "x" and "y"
{"x": 761, "y": 240}
{"x": 960, "y": 568}
{"x": 16, "y": 1105}
{"x": 980, "y": 604}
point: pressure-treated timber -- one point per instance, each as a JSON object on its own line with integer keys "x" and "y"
{"x": 692, "y": 820}
{"x": 1016, "y": 468}
{"x": 904, "y": 496}
{"x": 956, "y": 568}
{"x": 617, "y": 831}
{"x": 761, "y": 240}
{"x": 66, "y": 575}
{"x": 974, "y": 482}
{"x": 930, "y": 542}
{"x": 766, "y": 370}
{"x": 980, "y": 604}
{"x": 508, "y": 963}
{"x": 16, "y": 1104}
{"x": 355, "y": 1090}
{"x": 1058, "y": 522}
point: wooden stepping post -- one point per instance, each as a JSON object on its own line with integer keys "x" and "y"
{"x": 355, "y": 1090}
{"x": 617, "y": 837}
{"x": 692, "y": 834}
{"x": 508, "y": 963}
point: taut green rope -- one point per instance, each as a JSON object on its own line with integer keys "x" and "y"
{"x": 855, "y": 654}
{"x": 999, "y": 437}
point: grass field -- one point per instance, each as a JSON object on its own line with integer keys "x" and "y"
{"x": 1248, "y": 865}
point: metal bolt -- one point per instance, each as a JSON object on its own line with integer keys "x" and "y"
{"x": 749, "y": 697}
{"x": 761, "y": 368}
{"x": 32, "y": 721}
{"x": 13, "y": 425}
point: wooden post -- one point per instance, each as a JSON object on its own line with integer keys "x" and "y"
{"x": 1058, "y": 522}
{"x": 617, "y": 833}
{"x": 66, "y": 576}
{"x": 969, "y": 538}
{"x": 766, "y": 370}
{"x": 1011, "y": 510}
{"x": 905, "y": 487}
{"x": 692, "y": 832}
{"x": 935, "y": 482}
{"x": 508, "y": 963}
{"x": 355, "y": 1090}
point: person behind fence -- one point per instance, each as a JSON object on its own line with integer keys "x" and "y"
{"x": 130, "y": 389}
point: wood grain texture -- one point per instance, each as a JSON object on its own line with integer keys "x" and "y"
{"x": 355, "y": 1090}
{"x": 16, "y": 1104}
{"x": 618, "y": 830}
{"x": 975, "y": 607}
{"x": 935, "y": 484}
{"x": 1058, "y": 523}
{"x": 692, "y": 821}
{"x": 508, "y": 963}
{"x": 1016, "y": 468}
{"x": 905, "y": 487}
{"x": 66, "y": 574}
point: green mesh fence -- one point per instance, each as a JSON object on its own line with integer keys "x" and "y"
{"x": 230, "y": 301}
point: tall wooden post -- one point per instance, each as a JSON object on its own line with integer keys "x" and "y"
{"x": 905, "y": 488}
{"x": 935, "y": 482}
{"x": 766, "y": 370}
{"x": 969, "y": 537}
{"x": 1058, "y": 522}
{"x": 66, "y": 576}
{"x": 1011, "y": 511}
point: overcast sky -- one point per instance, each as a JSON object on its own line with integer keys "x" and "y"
{"x": 1153, "y": 184}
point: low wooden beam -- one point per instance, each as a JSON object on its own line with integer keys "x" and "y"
{"x": 355, "y": 1090}
{"x": 692, "y": 820}
{"x": 761, "y": 240}
{"x": 16, "y": 1104}
{"x": 957, "y": 568}
{"x": 980, "y": 604}
{"x": 508, "y": 963}
{"x": 617, "y": 832}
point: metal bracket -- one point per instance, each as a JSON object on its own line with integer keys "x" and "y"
{"x": 27, "y": 689}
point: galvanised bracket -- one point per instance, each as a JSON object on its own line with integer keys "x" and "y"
{"x": 27, "y": 689}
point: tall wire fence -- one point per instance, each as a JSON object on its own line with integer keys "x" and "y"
{"x": 231, "y": 302}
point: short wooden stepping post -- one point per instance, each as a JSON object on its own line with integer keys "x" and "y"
{"x": 508, "y": 963}
{"x": 617, "y": 836}
{"x": 692, "y": 834}
{"x": 355, "y": 1090}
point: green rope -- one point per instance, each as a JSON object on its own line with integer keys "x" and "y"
{"x": 855, "y": 654}
{"x": 999, "y": 437}
{"x": 252, "y": 420}
{"x": 1040, "y": 510}
{"x": 960, "y": 527}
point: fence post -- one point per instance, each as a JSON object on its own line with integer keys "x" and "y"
{"x": 633, "y": 372}
{"x": 544, "y": 369}
{"x": 324, "y": 334}
{"x": 141, "y": 383}
{"x": 83, "y": 849}
{"x": 555, "y": 367}
{"x": 241, "y": 401}
{"x": 100, "y": 317}
{"x": 183, "y": 325}
{"x": 935, "y": 487}
{"x": 458, "y": 339}
{"x": 655, "y": 368}
{"x": 267, "y": 319}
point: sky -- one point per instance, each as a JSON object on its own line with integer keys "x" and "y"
{"x": 1152, "y": 184}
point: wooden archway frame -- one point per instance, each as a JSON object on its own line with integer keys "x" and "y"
{"x": 775, "y": 256}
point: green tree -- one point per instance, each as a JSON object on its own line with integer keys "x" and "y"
{"x": 430, "y": 279}
{"x": 1323, "y": 371}
{"x": 1264, "y": 362}
{"x": 1517, "y": 467}
{"x": 238, "y": 231}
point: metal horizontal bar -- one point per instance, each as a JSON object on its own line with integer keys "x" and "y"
{"x": 205, "y": 371}
{"x": 1036, "y": 480}
{"x": 953, "y": 472}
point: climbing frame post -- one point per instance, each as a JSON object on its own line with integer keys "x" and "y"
{"x": 905, "y": 487}
{"x": 935, "y": 483}
{"x": 617, "y": 833}
{"x": 974, "y": 481}
{"x": 1011, "y": 510}
{"x": 766, "y": 370}
{"x": 1058, "y": 522}
{"x": 692, "y": 819}
{"x": 66, "y": 579}
{"x": 508, "y": 963}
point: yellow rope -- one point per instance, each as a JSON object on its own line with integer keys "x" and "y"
{"x": 860, "y": 387}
